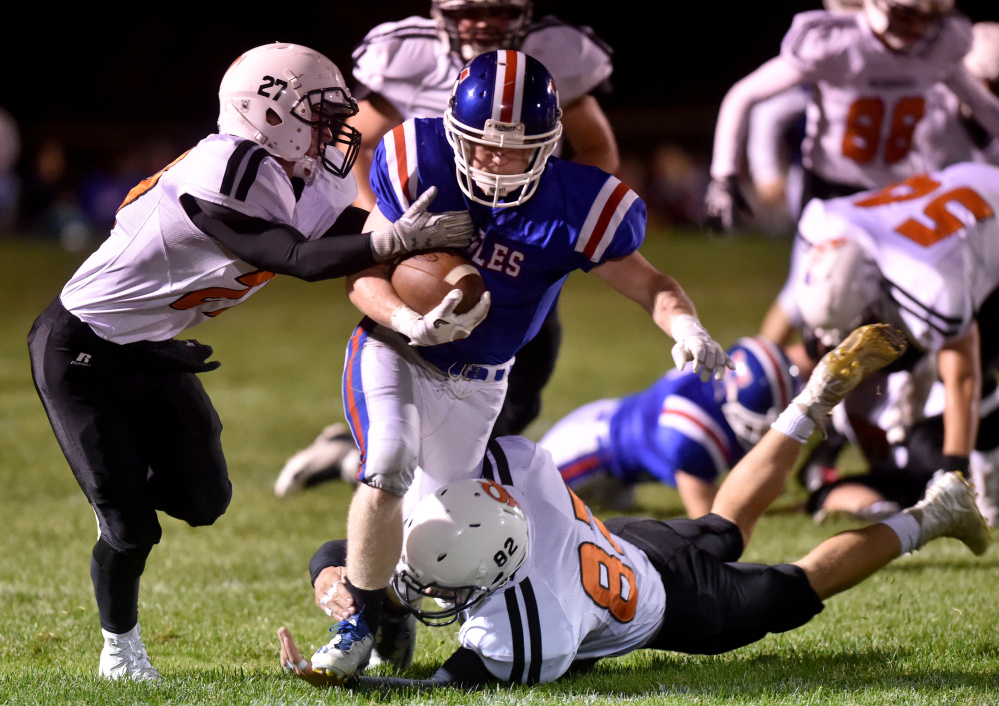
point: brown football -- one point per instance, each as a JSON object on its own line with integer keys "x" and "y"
{"x": 422, "y": 280}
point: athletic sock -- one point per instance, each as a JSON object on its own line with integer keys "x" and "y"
{"x": 907, "y": 529}
{"x": 794, "y": 423}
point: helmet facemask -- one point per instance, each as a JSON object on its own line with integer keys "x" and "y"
{"x": 498, "y": 136}
{"x": 473, "y": 27}
{"x": 901, "y": 24}
{"x": 327, "y": 110}
{"x": 450, "y": 602}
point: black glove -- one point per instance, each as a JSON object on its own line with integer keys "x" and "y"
{"x": 182, "y": 356}
{"x": 721, "y": 203}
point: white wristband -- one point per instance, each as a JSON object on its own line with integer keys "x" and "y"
{"x": 403, "y": 319}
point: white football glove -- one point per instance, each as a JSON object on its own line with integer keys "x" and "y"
{"x": 693, "y": 343}
{"x": 440, "y": 324}
{"x": 418, "y": 229}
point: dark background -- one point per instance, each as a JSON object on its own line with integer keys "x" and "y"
{"x": 106, "y": 83}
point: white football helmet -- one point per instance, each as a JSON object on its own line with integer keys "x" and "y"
{"x": 277, "y": 94}
{"x": 902, "y": 23}
{"x": 838, "y": 288}
{"x": 473, "y": 27}
{"x": 982, "y": 61}
{"x": 459, "y": 545}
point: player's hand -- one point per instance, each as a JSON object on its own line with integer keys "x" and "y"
{"x": 293, "y": 661}
{"x": 183, "y": 356}
{"x": 723, "y": 203}
{"x": 331, "y": 595}
{"x": 695, "y": 345}
{"x": 441, "y": 324}
{"x": 418, "y": 229}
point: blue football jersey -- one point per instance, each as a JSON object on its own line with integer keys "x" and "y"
{"x": 676, "y": 424}
{"x": 578, "y": 218}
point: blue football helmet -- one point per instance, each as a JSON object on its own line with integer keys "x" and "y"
{"x": 763, "y": 383}
{"x": 503, "y": 111}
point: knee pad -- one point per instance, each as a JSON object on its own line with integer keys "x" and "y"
{"x": 121, "y": 564}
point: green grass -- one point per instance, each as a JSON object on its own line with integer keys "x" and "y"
{"x": 925, "y": 631}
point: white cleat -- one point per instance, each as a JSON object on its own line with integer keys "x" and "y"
{"x": 948, "y": 509}
{"x": 124, "y": 657}
{"x": 865, "y": 350}
{"x": 348, "y": 652}
{"x": 321, "y": 461}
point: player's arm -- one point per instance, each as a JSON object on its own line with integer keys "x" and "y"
{"x": 671, "y": 309}
{"x": 983, "y": 104}
{"x": 371, "y": 291}
{"x": 375, "y": 117}
{"x": 732, "y": 125}
{"x": 278, "y": 247}
{"x": 960, "y": 368}
{"x": 724, "y": 200}
{"x": 589, "y": 132}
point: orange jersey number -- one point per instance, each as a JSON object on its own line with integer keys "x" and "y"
{"x": 861, "y": 141}
{"x": 147, "y": 184}
{"x": 944, "y": 223}
{"x": 209, "y": 294}
{"x": 606, "y": 578}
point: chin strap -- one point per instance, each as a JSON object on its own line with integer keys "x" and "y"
{"x": 305, "y": 169}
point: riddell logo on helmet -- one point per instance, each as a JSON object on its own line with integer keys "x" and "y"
{"x": 498, "y": 493}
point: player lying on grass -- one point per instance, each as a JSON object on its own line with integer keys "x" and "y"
{"x": 542, "y": 586}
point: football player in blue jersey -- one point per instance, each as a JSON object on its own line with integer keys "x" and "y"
{"x": 681, "y": 430}
{"x": 406, "y": 69}
{"x": 425, "y": 390}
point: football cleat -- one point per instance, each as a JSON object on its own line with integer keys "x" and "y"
{"x": 865, "y": 350}
{"x": 124, "y": 656}
{"x": 395, "y": 641}
{"x": 948, "y": 509}
{"x": 321, "y": 461}
{"x": 348, "y": 652}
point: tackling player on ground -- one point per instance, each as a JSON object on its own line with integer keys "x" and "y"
{"x": 543, "y": 587}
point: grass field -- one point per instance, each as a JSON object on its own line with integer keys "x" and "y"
{"x": 926, "y": 630}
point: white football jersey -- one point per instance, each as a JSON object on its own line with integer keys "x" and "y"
{"x": 581, "y": 593}
{"x": 408, "y": 64}
{"x": 869, "y": 99}
{"x": 157, "y": 274}
{"x": 935, "y": 239}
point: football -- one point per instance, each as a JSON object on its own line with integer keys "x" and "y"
{"x": 422, "y": 280}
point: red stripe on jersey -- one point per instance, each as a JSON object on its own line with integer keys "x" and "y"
{"x": 707, "y": 430}
{"x": 600, "y": 229}
{"x": 401, "y": 166}
{"x": 509, "y": 87}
